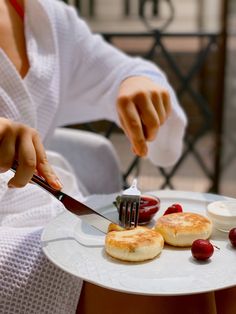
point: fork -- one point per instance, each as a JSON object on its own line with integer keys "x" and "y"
{"x": 129, "y": 206}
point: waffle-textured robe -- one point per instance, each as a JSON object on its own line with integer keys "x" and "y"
{"x": 73, "y": 78}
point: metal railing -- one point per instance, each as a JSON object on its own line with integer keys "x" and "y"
{"x": 206, "y": 115}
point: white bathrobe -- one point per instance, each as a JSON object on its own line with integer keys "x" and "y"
{"x": 73, "y": 78}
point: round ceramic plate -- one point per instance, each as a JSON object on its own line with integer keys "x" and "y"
{"x": 78, "y": 249}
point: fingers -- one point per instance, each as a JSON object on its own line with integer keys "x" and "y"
{"x": 43, "y": 167}
{"x": 159, "y": 107}
{"x": 166, "y": 101}
{"x": 26, "y": 161}
{"x": 22, "y": 143}
{"x": 132, "y": 126}
{"x": 142, "y": 112}
{"x": 148, "y": 115}
{"x": 7, "y": 151}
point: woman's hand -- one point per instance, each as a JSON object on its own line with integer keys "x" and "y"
{"x": 20, "y": 142}
{"x": 143, "y": 107}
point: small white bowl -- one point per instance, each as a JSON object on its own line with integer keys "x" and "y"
{"x": 223, "y": 214}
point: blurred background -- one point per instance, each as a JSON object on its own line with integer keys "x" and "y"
{"x": 194, "y": 42}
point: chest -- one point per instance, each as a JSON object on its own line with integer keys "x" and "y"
{"x": 12, "y": 38}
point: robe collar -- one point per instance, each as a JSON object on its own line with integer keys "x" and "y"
{"x": 20, "y": 98}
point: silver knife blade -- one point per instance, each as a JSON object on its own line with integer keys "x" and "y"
{"x": 85, "y": 213}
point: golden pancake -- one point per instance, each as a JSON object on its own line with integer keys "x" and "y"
{"x": 134, "y": 245}
{"x": 181, "y": 229}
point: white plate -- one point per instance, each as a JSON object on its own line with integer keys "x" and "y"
{"x": 78, "y": 249}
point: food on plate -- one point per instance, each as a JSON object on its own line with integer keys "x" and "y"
{"x": 222, "y": 214}
{"x": 174, "y": 208}
{"x": 148, "y": 207}
{"x": 202, "y": 249}
{"x": 181, "y": 229}
{"x": 232, "y": 236}
{"x": 115, "y": 227}
{"x": 134, "y": 245}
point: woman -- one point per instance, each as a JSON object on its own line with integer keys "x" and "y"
{"x": 53, "y": 72}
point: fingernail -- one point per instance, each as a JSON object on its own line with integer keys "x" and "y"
{"x": 58, "y": 184}
{"x": 144, "y": 150}
{"x": 141, "y": 151}
{"x": 11, "y": 186}
{"x": 134, "y": 150}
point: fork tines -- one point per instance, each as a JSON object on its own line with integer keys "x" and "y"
{"x": 129, "y": 211}
{"x": 129, "y": 206}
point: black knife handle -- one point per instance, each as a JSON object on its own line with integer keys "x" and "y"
{"x": 41, "y": 182}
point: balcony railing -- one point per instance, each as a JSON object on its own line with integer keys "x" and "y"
{"x": 195, "y": 67}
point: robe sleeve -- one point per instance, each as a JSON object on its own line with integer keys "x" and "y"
{"x": 91, "y": 76}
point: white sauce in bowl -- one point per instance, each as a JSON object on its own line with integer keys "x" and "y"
{"x": 223, "y": 214}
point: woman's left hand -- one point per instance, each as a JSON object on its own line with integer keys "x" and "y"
{"x": 142, "y": 106}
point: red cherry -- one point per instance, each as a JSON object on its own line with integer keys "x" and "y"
{"x": 202, "y": 249}
{"x": 178, "y": 207}
{"x": 174, "y": 208}
{"x": 232, "y": 236}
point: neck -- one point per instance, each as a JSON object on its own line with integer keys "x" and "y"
{"x": 18, "y": 6}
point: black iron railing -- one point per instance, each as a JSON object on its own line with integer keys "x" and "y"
{"x": 205, "y": 113}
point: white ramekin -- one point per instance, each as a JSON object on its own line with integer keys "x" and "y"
{"x": 223, "y": 214}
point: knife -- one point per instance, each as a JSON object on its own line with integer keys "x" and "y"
{"x": 85, "y": 213}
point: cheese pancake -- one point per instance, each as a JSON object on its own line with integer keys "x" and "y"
{"x": 134, "y": 245}
{"x": 181, "y": 229}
